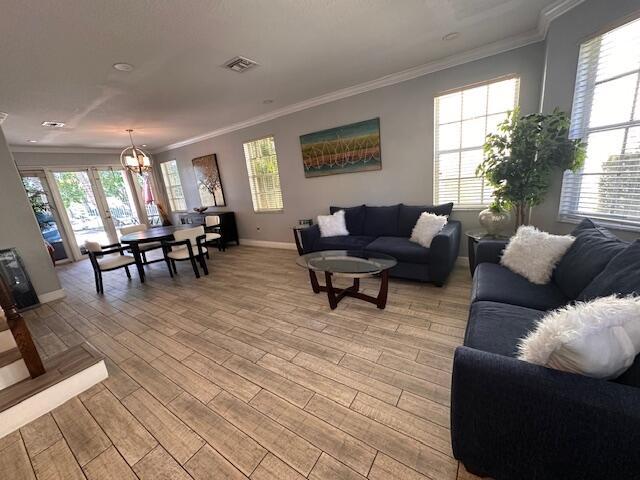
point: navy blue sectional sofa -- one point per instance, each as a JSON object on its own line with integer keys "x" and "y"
{"x": 387, "y": 230}
{"x": 514, "y": 420}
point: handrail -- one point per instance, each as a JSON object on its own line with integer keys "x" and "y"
{"x": 20, "y": 332}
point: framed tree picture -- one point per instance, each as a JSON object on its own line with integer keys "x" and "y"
{"x": 209, "y": 181}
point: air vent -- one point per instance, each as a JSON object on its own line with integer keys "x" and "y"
{"x": 3, "y": 117}
{"x": 53, "y": 124}
{"x": 240, "y": 64}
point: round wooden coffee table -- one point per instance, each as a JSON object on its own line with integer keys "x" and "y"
{"x": 349, "y": 264}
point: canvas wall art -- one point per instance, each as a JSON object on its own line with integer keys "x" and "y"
{"x": 347, "y": 149}
{"x": 209, "y": 181}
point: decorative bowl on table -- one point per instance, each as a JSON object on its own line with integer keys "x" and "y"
{"x": 200, "y": 209}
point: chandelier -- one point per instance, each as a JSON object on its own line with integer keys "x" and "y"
{"x": 135, "y": 159}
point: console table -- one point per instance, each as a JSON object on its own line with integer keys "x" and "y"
{"x": 228, "y": 227}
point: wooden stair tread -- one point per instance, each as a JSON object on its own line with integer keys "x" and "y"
{"x": 58, "y": 368}
{"x": 9, "y": 356}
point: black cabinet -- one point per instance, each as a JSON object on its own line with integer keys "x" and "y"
{"x": 228, "y": 227}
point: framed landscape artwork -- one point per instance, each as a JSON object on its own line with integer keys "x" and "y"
{"x": 209, "y": 181}
{"x": 347, "y": 149}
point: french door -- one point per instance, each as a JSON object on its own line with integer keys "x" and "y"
{"x": 96, "y": 202}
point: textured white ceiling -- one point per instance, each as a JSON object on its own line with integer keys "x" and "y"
{"x": 56, "y": 58}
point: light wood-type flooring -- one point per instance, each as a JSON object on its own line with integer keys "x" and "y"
{"x": 247, "y": 373}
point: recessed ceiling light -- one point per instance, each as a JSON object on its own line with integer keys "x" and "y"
{"x": 451, "y": 36}
{"x": 123, "y": 67}
{"x": 32, "y": 141}
{"x": 53, "y": 124}
{"x": 267, "y": 101}
{"x": 144, "y": 144}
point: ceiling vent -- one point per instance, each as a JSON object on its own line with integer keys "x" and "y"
{"x": 240, "y": 64}
{"x": 3, "y": 117}
{"x": 53, "y": 124}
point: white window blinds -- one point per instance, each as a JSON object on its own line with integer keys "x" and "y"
{"x": 463, "y": 119}
{"x": 606, "y": 115}
{"x": 173, "y": 186}
{"x": 264, "y": 179}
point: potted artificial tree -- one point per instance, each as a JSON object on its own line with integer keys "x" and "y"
{"x": 522, "y": 157}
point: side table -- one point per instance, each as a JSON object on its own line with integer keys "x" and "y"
{"x": 476, "y": 236}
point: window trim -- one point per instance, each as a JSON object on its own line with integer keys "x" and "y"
{"x": 510, "y": 76}
{"x": 251, "y": 192}
{"x": 167, "y": 188}
{"x": 572, "y": 216}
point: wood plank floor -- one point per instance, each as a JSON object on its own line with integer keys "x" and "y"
{"x": 247, "y": 374}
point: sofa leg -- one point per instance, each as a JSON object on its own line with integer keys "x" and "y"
{"x": 439, "y": 284}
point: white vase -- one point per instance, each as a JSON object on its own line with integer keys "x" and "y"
{"x": 493, "y": 222}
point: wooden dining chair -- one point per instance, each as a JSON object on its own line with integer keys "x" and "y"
{"x": 212, "y": 232}
{"x": 188, "y": 244}
{"x": 105, "y": 258}
{"x": 144, "y": 247}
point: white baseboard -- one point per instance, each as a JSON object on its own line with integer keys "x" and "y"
{"x": 37, "y": 405}
{"x": 51, "y": 296}
{"x": 266, "y": 244}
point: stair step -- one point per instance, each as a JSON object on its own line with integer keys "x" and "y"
{"x": 58, "y": 368}
{"x": 9, "y": 356}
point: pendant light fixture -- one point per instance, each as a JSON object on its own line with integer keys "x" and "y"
{"x": 135, "y": 159}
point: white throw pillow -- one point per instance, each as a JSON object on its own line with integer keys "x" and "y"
{"x": 333, "y": 225}
{"x": 534, "y": 254}
{"x": 600, "y": 338}
{"x": 427, "y": 227}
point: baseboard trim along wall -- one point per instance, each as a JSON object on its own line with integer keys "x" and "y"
{"x": 51, "y": 296}
{"x": 267, "y": 244}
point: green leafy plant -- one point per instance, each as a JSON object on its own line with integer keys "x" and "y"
{"x": 521, "y": 159}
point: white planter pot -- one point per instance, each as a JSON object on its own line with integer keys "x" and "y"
{"x": 492, "y": 222}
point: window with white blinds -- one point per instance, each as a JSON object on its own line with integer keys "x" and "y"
{"x": 173, "y": 186}
{"x": 264, "y": 179}
{"x": 463, "y": 119}
{"x": 606, "y": 115}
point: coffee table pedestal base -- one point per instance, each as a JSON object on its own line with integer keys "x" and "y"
{"x": 336, "y": 294}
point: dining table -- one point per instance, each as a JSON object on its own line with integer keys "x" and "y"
{"x": 153, "y": 234}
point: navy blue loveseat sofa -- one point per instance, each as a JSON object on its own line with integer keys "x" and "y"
{"x": 387, "y": 230}
{"x": 514, "y": 420}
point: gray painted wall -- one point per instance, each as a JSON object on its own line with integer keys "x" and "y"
{"x": 406, "y": 126}
{"x": 19, "y": 226}
{"x": 561, "y": 60}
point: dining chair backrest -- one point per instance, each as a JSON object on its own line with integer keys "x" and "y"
{"x": 141, "y": 227}
{"x": 212, "y": 220}
{"x": 188, "y": 234}
{"x": 94, "y": 247}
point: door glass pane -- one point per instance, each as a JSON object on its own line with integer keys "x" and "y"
{"x": 82, "y": 209}
{"x": 43, "y": 211}
{"x": 119, "y": 198}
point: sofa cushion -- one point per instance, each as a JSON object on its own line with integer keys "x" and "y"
{"x": 408, "y": 215}
{"x": 498, "y": 327}
{"x": 401, "y": 248}
{"x": 346, "y": 242}
{"x": 354, "y": 217}
{"x": 621, "y": 275}
{"x": 381, "y": 221}
{"x": 589, "y": 254}
{"x": 496, "y": 283}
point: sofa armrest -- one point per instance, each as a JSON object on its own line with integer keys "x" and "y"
{"x": 490, "y": 251}
{"x": 444, "y": 251}
{"x": 309, "y": 237}
{"x": 512, "y": 419}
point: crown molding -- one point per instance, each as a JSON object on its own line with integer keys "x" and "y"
{"x": 547, "y": 15}
{"x": 553, "y": 11}
{"x": 32, "y": 149}
{"x": 388, "y": 80}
